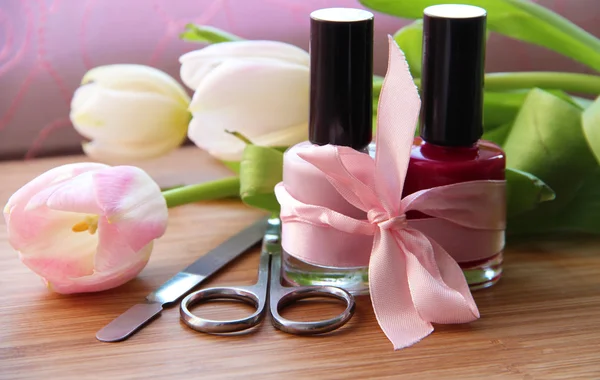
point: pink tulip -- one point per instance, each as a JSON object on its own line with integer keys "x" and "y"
{"x": 86, "y": 227}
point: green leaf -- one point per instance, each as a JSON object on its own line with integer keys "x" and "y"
{"x": 410, "y": 40}
{"x": 547, "y": 140}
{"x": 501, "y": 108}
{"x": 524, "y": 192}
{"x": 499, "y": 134}
{"x": 207, "y": 34}
{"x": 234, "y": 166}
{"x": 377, "y": 84}
{"x": 590, "y": 121}
{"x": 261, "y": 169}
{"x": 583, "y": 103}
{"x": 579, "y": 215}
{"x": 520, "y": 19}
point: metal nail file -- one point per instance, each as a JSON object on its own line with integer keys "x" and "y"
{"x": 176, "y": 287}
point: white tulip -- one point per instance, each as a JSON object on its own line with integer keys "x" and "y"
{"x": 257, "y": 88}
{"x": 129, "y": 112}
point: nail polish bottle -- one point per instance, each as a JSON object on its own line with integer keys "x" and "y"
{"x": 449, "y": 149}
{"x": 341, "y": 77}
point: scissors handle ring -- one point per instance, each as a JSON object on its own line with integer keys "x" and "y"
{"x": 287, "y": 296}
{"x": 244, "y": 294}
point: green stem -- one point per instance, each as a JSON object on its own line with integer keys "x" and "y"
{"x": 217, "y": 189}
{"x": 569, "y": 82}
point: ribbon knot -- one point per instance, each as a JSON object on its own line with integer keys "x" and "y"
{"x": 413, "y": 281}
{"x": 394, "y": 223}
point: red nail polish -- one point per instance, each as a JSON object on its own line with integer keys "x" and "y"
{"x": 449, "y": 149}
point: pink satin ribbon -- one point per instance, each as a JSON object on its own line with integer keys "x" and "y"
{"x": 413, "y": 281}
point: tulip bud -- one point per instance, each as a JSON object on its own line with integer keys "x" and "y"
{"x": 86, "y": 227}
{"x": 129, "y": 112}
{"x": 257, "y": 88}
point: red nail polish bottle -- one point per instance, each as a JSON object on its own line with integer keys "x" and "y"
{"x": 449, "y": 149}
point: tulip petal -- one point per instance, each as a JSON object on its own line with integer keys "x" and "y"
{"x": 130, "y": 117}
{"x": 53, "y": 176}
{"x": 25, "y": 227}
{"x": 253, "y": 98}
{"x": 114, "y": 252}
{"x": 99, "y": 281}
{"x": 197, "y": 64}
{"x": 284, "y": 137}
{"x": 56, "y": 253}
{"x": 137, "y": 78}
{"x": 62, "y": 256}
{"x": 83, "y": 96}
{"x": 132, "y": 201}
{"x": 76, "y": 195}
{"x": 119, "y": 152}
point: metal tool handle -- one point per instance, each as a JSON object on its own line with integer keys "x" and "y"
{"x": 245, "y": 294}
{"x": 255, "y": 295}
{"x": 281, "y": 296}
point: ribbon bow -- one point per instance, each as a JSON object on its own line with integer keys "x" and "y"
{"x": 413, "y": 281}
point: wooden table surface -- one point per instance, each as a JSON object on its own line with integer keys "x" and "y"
{"x": 541, "y": 321}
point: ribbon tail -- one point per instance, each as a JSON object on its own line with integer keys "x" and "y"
{"x": 390, "y": 293}
{"x": 437, "y": 284}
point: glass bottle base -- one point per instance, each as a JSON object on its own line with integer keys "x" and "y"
{"x": 299, "y": 273}
{"x": 484, "y": 273}
{"x": 479, "y": 274}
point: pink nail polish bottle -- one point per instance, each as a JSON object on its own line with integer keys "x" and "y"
{"x": 449, "y": 149}
{"x": 341, "y": 75}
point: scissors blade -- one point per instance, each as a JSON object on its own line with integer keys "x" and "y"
{"x": 177, "y": 286}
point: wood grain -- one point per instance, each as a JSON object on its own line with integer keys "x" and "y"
{"x": 542, "y": 321}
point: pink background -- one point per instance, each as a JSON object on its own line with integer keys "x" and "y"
{"x": 47, "y": 45}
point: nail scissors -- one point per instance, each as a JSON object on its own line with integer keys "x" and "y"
{"x": 268, "y": 287}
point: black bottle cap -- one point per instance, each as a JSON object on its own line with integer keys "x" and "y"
{"x": 341, "y": 77}
{"x": 453, "y": 74}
